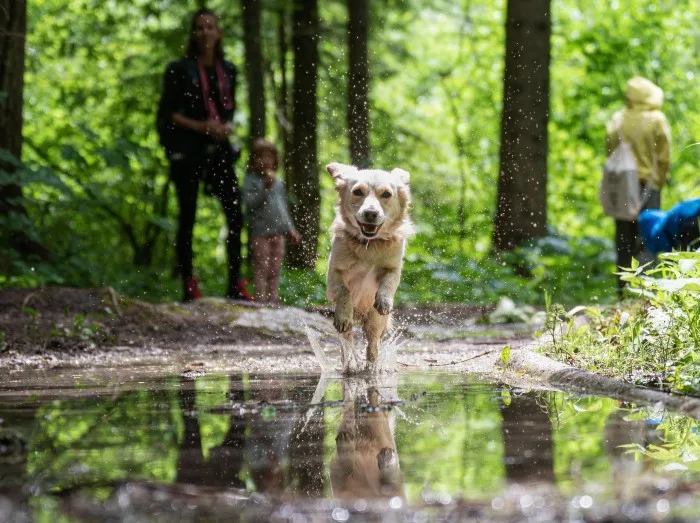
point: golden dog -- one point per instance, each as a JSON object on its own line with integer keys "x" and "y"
{"x": 368, "y": 242}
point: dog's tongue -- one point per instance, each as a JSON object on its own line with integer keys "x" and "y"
{"x": 369, "y": 229}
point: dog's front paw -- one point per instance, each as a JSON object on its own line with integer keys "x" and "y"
{"x": 386, "y": 458}
{"x": 342, "y": 323}
{"x": 344, "y": 436}
{"x": 383, "y": 304}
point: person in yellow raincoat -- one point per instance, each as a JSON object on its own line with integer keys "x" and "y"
{"x": 645, "y": 128}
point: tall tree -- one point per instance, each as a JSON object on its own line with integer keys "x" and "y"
{"x": 304, "y": 175}
{"x": 13, "y": 28}
{"x": 254, "y": 67}
{"x": 281, "y": 88}
{"x": 283, "y": 101}
{"x": 521, "y": 211}
{"x": 358, "y": 82}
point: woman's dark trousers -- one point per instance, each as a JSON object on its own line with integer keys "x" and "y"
{"x": 217, "y": 173}
{"x": 628, "y": 240}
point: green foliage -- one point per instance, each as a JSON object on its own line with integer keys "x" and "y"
{"x": 96, "y": 183}
{"x": 654, "y": 340}
{"x": 678, "y": 448}
{"x": 505, "y": 355}
{"x": 110, "y": 439}
{"x": 81, "y": 328}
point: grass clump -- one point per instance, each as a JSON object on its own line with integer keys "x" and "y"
{"x": 652, "y": 339}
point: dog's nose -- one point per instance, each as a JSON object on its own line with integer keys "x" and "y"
{"x": 370, "y": 215}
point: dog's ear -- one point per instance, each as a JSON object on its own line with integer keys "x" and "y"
{"x": 404, "y": 192}
{"x": 339, "y": 172}
{"x": 402, "y": 175}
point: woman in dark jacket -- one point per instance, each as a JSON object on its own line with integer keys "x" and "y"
{"x": 194, "y": 123}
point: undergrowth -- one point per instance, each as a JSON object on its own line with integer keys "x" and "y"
{"x": 652, "y": 339}
{"x": 571, "y": 269}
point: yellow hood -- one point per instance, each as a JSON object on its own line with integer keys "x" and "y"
{"x": 643, "y": 94}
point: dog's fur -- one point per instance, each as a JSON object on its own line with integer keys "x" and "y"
{"x": 369, "y": 239}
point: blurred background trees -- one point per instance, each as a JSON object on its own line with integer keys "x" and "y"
{"x": 16, "y": 230}
{"x": 521, "y": 210}
{"x": 426, "y": 92}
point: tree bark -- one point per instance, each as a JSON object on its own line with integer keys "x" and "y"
{"x": 13, "y": 28}
{"x": 521, "y": 212}
{"x": 358, "y": 82}
{"x": 254, "y": 67}
{"x": 304, "y": 184}
{"x": 283, "y": 99}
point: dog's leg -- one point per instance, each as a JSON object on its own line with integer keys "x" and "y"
{"x": 352, "y": 362}
{"x": 343, "y": 309}
{"x": 375, "y": 327}
{"x": 384, "y": 299}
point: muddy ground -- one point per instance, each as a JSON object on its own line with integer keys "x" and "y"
{"x": 43, "y": 332}
{"x": 59, "y": 327}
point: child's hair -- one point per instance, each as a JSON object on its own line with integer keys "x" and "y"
{"x": 257, "y": 148}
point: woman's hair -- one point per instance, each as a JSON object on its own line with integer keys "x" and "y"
{"x": 257, "y": 148}
{"x": 192, "y": 44}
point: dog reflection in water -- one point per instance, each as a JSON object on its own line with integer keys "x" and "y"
{"x": 366, "y": 463}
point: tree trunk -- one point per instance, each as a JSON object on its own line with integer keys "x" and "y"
{"x": 358, "y": 82}
{"x": 304, "y": 176}
{"x": 521, "y": 212}
{"x": 254, "y": 67}
{"x": 283, "y": 98}
{"x": 13, "y": 28}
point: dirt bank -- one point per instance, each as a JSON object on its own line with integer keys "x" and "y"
{"x": 58, "y": 326}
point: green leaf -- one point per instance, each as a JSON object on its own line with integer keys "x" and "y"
{"x": 505, "y": 396}
{"x": 505, "y": 355}
{"x": 29, "y": 311}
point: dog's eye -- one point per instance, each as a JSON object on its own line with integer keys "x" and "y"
{"x": 357, "y": 192}
{"x": 386, "y": 194}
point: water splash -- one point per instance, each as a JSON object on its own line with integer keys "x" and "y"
{"x": 314, "y": 338}
{"x": 353, "y": 351}
{"x": 386, "y": 364}
{"x": 319, "y": 393}
{"x": 352, "y": 354}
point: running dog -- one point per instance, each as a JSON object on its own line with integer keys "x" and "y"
{"x": 368, "y": 242}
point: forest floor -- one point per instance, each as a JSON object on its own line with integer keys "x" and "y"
{"x": 59, "y": 327}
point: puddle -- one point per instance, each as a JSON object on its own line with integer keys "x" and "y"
{"x": 415, "y": 447}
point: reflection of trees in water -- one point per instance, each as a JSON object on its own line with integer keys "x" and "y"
{"x": 16, "y": 429}
{"x": 92, "y": 441}
{"x": 366, "y": 463}
{"x": 225, "y": 461}
{"x": 280, "y": 450}
{"x": 306, "y": 472}
{"x": 285, "y": 452}
{"x": 527, "y": 439}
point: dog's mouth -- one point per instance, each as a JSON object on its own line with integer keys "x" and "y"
{"x": 369, "y": 230}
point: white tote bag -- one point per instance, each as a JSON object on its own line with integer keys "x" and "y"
{"x": 619, "y": 193}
